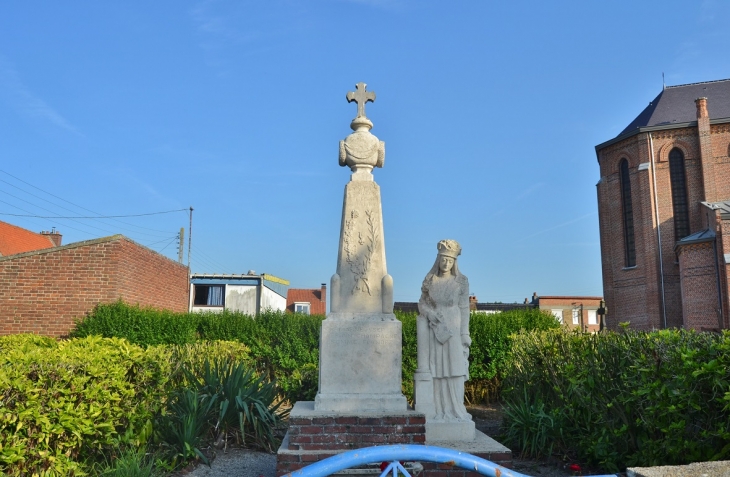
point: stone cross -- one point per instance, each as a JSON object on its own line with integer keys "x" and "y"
{"x": 360, "y": 96}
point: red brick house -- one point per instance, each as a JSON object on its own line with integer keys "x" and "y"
{"x": 664, "y": 212}
{"x": 579, "y": 312}
{"x": 43, "y": 291}
{"x": 310, "y": 301}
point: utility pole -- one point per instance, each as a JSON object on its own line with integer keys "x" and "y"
{"x": 190, "y": 236}
{"x": 180, "y": 245}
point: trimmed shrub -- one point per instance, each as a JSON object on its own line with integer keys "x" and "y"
{"x": 64, "y": 404}
{"x": 285, "y": 347}
{"x": 140, "y": 326}
{"x": 620, "y": 399}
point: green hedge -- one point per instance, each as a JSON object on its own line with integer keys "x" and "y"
{"x": 65, "y": 404}
{"x": 285, "y": 347}
{"x": 620, "y": 399}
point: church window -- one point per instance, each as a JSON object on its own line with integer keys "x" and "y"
{"x": 679, "y": 193}
{"x": 628, "y": 214}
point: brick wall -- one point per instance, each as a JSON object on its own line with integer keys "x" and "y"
{"x": 43, "y": 291}
{"x": 635, "y": 294}
{"x": 701, "y": 307}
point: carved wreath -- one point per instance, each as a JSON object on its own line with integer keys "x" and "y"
{"x": 360, "y": 268}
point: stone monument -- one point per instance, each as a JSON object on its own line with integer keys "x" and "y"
{"x": 443, "y": 348}
{"x": 360, "y": 344}
{"x": 359, "y": 402}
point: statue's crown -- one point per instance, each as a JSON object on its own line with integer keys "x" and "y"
{"x": 450, "y": 248}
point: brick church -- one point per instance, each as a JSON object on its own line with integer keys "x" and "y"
{"x": 664, "y": 212}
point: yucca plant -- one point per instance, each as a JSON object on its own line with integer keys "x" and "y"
{"x": 245, "y": 403}
{"x": 186, "y": 423}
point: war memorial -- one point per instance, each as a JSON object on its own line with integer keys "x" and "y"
{"x": 359, "y": 402}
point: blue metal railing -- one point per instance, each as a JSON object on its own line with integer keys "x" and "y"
{"x": 410, "y": 452}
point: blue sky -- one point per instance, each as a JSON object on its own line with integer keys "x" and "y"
{"x": 490, "y": 112}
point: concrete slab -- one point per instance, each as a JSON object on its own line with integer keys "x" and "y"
{"x": 698, "y": 469}
{"x": 482, "y": 444}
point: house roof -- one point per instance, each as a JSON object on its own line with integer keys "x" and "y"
{"x": 295, "y": 295}
{"x": 676, "y": 105}
{"x": 313, "y": 296}
{"x": 14, "y": 239}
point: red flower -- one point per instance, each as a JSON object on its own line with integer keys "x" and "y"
{"x": 383, "y": 466}
{"x": 574, "y": 468}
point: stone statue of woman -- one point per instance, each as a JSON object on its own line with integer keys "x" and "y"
{"x": 443, "y": 337}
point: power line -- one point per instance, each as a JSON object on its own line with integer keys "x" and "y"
{"x": 84, "y": 208}
{"x": 86, "y": 217}
{"x": 66, "y": 208}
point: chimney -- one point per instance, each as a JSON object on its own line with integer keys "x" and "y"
{"x": 472, "y": 302}
{"x": 323, "y": 293}
{"x": 53, "y": 236}
{"x": 706, "y": 158}
{"x": 701, "y": 108}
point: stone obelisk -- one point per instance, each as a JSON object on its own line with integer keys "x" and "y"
{"x": 360, "y": 344}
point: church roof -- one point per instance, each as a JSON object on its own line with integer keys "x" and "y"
{"x": 676, "y": 105}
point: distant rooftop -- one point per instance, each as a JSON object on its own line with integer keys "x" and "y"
{"x": 676, "y": 105}
{"x": 14, "y": 239}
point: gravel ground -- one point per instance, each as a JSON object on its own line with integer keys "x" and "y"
{"x": 236, "y": 463}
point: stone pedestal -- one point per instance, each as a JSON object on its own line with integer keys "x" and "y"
{"x": 360, "y": 364}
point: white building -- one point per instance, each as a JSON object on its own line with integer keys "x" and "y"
{"x": 249, "y": 294}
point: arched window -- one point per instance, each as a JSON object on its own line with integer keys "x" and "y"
{"x": 679, "y": 194}
{"x": 628, "y": 213}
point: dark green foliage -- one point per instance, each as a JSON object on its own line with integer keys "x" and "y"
{"x": 410, "y": 349}
{"x": 620, "y": 399}
{"x": 285, "y": 347}
{"x": 185, "y": 424}
{"x": 492, "y": 337}
{"x": 491, "y": 342}
{"x": 141, "y": 326}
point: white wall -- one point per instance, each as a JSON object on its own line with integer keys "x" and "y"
{"x": 272, "y": 300}
{"x": 241, "y": 298}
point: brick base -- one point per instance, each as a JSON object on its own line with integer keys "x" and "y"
{"x": 315, "y": 435}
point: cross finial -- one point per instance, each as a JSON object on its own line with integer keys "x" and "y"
{"x": 360, "y": 96}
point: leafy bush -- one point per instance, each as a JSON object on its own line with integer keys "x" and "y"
{"x": 620, "y": 399}
{"x": 65, "y": 404}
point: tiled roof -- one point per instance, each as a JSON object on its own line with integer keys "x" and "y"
{"x": 313, "y": 296}
{"x": 676, "y": 105}
{"x": 14, "y": 239}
